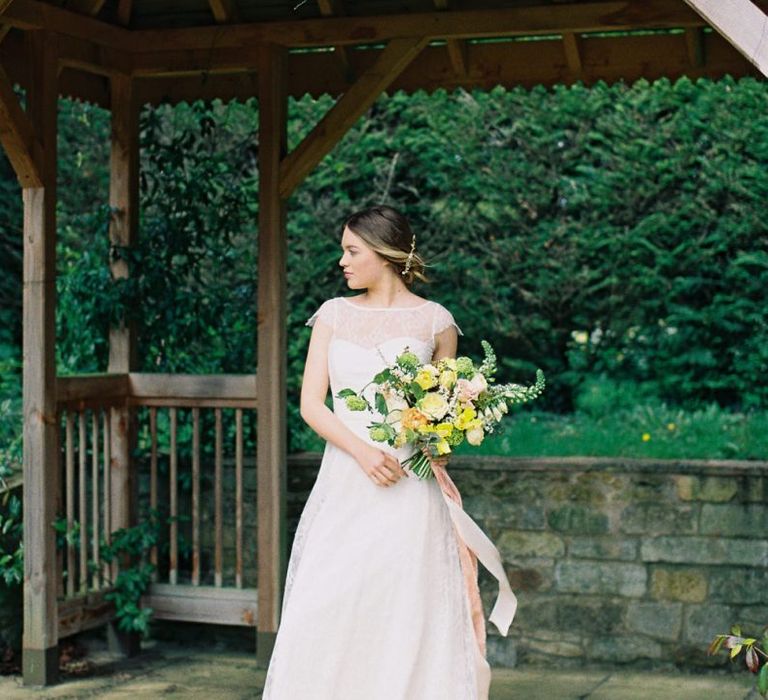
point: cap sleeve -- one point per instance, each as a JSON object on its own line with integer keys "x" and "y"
{"x": 325, "y": 313}
{"x": 442, "y": 319}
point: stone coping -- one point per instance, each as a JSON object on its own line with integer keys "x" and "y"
{"x": 709, "y": 467}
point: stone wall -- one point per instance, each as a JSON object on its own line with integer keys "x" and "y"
{"x": 616, "y": 561}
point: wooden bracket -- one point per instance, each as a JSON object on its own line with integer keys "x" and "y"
{"x": 350, "y": 107}
{"x": 17, "y": 136}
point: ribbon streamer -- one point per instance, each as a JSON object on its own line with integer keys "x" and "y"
{"x": 474, "y": 544}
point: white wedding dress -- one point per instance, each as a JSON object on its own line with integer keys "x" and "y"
{"x": 375, "y": 605}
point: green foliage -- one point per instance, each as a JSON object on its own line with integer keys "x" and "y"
{"x": 755, "y": 653}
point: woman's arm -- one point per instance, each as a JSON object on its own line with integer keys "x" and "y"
{"x": 381, "y": 467}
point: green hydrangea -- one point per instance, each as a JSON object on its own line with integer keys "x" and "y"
{"x": 356, "y": 403}
{"x": 408, "y": 360}
{"x": 455, "y": 438}
{"x": 379, "y": 433}
{"x": 464, "y": 366}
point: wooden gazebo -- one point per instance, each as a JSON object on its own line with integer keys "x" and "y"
{"x": 122, "y": 54}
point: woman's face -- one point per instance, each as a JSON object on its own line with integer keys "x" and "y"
{"x": 363, "y": 267}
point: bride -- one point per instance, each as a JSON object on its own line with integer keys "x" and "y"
{"x": 381, "y": 599}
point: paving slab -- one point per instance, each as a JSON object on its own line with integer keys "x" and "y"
{"x": 167, "y": 670}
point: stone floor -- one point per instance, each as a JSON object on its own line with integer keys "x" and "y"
{"x": 165, "y": 669}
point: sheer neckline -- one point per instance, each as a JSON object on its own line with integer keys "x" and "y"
{"x": 385, "y": 308}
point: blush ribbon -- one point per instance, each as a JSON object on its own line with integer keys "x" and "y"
{"x": 474, "y": 544}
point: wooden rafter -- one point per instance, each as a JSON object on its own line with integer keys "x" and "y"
{"x": 458, "y": 51}
{"x": 18, "y": 136}
{"x": 694, "y": 43}
{"x": 124, "y": 10}
{"x": 742, "y": 23}
{"x": 350, "y": 107}
{"x": 524, "y": 63}
{"x": 329, "y": 8}
{"x": 571, "y": 45}
{"x": 224, "y": 11}
{"x": 86, "y": 7}
{"x": 623, "y": 15}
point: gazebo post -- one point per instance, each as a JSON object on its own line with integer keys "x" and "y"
{"x": 124, "y": 204}
{"x": 271, "y": 361}
{"x": 40, "y": 458}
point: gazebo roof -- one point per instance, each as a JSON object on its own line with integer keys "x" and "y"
{"x": 188, "y": 49}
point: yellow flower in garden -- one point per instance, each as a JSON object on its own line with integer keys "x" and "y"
{"x": 425, "y": 379}
{"x": 433, "y": 405}
{"x": 464, "y": 418}
{"x": 447, "y": 378}
{"x": 671, "y": 426}
{"x": 646, "y": 437}
{"x": 413, "y": 418}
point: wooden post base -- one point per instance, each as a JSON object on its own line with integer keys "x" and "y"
{"x": 126, "y": 643}
{"x": 265, "y": 643}
{"x": 41, "y": 666}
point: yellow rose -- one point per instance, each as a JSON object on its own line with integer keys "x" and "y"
{"x": 464, "y": 418}
{"x": 447, "y": 378}
{"x": 425, "y": 379}
{"x": 433, "y": 405}
{"x": 443, "y": 429}
{"x": 443, "y": 448}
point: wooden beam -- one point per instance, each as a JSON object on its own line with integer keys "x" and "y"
{"x": 457, "y": 48}
{"x": 40, "y": 444}
{"x": 350, "y": 107}
{"x": 224, "y": 11}
{"x": 271, "y": 453}
{"x": 615, "y": 15}
{"x": 742, "y": 23}
{"x": 18, "y": 137}
{"x": 507, "y": 64}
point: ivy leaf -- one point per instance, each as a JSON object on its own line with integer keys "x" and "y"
{"x": 762, "y": 680}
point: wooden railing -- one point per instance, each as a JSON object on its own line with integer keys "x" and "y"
{"x": 211, "y": 409}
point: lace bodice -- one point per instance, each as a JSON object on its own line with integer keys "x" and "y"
{"x": 369, "y": 326}
{"x": 364, "y": 340}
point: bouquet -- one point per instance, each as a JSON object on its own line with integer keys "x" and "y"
{"x": 435, "y": 407}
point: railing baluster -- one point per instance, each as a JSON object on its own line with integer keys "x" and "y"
{"x": 95, "y": 580}
{"x": 70, "y": 505}
{"x": 82, "y": 503}
{"x": 239, "y": 497}
{"x": 107, "y": 571}
{"x": 174, "y": 544}
{"x": 195, "y": 496}
{"x": 219, "y": 546}
{"x": 153, "y": 477}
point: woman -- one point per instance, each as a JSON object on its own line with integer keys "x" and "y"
{"x": 381, "y": 598}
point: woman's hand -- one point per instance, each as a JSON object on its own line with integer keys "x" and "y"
{"x": 436, "y": 461}
{"x": 381, "y": 467}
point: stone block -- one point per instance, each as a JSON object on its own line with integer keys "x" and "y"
{"x": 555, "y": 643}
{"x": 612, "y": 578}
{"x": 704, "y": 550}
{"x": 623, "y": 649}
{"x": 512, "y": 514}
{"x": 739, "y": 585}
{"x": 501, "y": 652}
{"x": 658, "y": 519}
{"x": 514, "y": 544}
{"x": 602, "y": 548}
{"x": 703, "y": 622}
{"x": 588, "y": 615}
{"x": 735, "y": 519}
{"x": 578, "y": 519}
{"x": 651, "y": 487}
{"x": 717, "y": 489}
{"x": 684, "y": 584}
{"x": 534, "y": 612}
{"x": 658, "y": 620}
